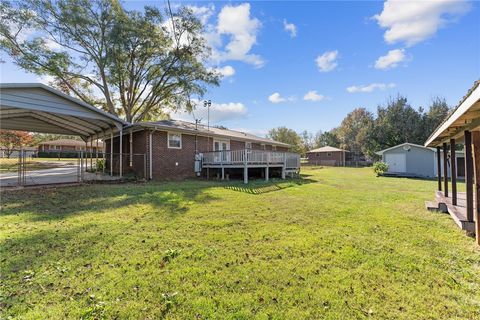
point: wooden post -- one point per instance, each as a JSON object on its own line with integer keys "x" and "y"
{"x": 469, "y": 175}
{"x": 223, "y": 173}
{"x": 445, "y": 169}
{"x": 266, "y": 173}
{"x": 439, "y": 169}
{"x": 453, "y": 171}
{"x": 476, "y": 160}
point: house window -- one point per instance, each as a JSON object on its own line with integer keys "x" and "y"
{"x": 174, "y": 140}
{"x": 55, "y": 147}
{"x": 248, "y": 145}
{"x": 262, "y": 146}
{"x": 274, "y": 148}
{"x": 329, "y": 154}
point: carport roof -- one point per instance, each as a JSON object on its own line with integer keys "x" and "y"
{"x": 39, "y": 108}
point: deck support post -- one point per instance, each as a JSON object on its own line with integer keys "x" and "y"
{"x": 476, "y": 158}
{"x": 121, "y": 153}
{"x": 245, "y": 166}
{"x": 439, "y": 168}
{"x": 453, "y": 171}
{"x": 266, "y": 173}
{"x": 445, "y": 169}
{"x": 223, "y": 173}
{"x": 469, "y": 175}
{"x": 284, "y": 165}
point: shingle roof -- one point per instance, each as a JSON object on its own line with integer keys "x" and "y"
{"x": 202, "y": 129}
{"x": 326, "y": 149}
{"x": 69, "y": 142}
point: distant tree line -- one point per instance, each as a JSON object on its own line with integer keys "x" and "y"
{"x": 363, "y": 132}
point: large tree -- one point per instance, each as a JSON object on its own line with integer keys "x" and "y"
{"x": 13, "y": 140}
{"x": 437, "y": 112}
{"x": 327, "y": 138}
{"x": 285, "y": 135}
{"x": 130, "y": 63}
{"x": 354, "y": 129}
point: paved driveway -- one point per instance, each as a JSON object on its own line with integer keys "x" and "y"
{"x": 66, "y": 174}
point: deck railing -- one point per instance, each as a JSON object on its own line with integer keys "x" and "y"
{"x": 251, "y": 157}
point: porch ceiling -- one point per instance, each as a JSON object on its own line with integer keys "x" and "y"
{"x": 465, "y": 117}
{"x": 38, "y": 108}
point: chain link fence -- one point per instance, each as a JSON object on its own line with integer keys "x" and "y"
{"x": 24, "y": 168}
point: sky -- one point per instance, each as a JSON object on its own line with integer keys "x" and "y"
{"x": 306, "y": 65}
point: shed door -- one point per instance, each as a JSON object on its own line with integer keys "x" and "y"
{"x": 396, "y": 162}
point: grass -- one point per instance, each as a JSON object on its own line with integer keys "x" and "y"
{"x": 11, "y": 165}
{"x": 339, "y": 244}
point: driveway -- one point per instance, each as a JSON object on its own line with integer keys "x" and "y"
{"x": 66, "y": 174}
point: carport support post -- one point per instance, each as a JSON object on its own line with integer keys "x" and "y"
{"x": 445, "y": 168}
{"x": 439, "y": 168}
{"x": 453, "y": 169}
{"x": 469, "y": 174}
{"x": 91, "y": 154}
{"x": 111, "y": 152}
{"x": 121, "y": 150}
{"x": 476, "y": 161}
{"x": 131, "y": 148}
{"x": 96, "y": 157}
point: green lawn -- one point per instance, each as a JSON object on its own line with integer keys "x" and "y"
{"x": 339, "y": 244}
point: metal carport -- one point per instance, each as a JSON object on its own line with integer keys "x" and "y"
{"x": 36, "y": 107}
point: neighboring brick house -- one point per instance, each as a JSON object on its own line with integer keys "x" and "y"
{"x": 69, "y": 145}
{"x": 175, "y": 143}
{"x": 327, "y": 156}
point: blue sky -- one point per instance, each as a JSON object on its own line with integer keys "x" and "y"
{"x": 274, "y": 53}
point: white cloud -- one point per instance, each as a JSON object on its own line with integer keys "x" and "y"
{"x": 370, "y": 87}
{"x": 218, "y": 112}
{"x": 327, "y": 61}
{"x": 276, "y": 98}
{"x": 235, "y": 22}
{"x": 290, "y": 28}
{"x": 313, "y": 96}
{"x": 226, "y": 71}
{"x": 203, "y": 13}
{"x": 414, "y": 21}
{"x": 391, "y": 59}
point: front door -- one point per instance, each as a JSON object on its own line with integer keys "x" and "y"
{"x": 223, "y": 146}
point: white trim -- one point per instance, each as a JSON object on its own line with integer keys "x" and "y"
{"x": 250, "y": 143}
{"x": 401, "y": 145}
{"x": 168, "y": 140}
{"x": 220, "y": 141}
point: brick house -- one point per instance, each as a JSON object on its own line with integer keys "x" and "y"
{"x": 69, "y": 145}
{"x": 168, "y": 149}
{"x": 327, "y": 156}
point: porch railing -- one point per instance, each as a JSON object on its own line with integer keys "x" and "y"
{"x": 251, "y": 157}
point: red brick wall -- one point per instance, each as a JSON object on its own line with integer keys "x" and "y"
{"x": 322, "y": 158}
{"x": 237, "y": 145}
{"x": 168, "y": 163}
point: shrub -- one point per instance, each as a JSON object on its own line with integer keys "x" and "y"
{"x": 380, "y": 168}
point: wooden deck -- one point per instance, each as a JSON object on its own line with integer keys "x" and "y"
{"x": 246, "y": 158}
{"x": 458, "y": 212}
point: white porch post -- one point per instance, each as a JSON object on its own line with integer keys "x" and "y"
{"x": 121, "y": 153}
{"x": 284, "y": 165}
{"x": 96, "y": 157}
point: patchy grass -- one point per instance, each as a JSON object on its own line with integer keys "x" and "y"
{"x": 339, "y": 244}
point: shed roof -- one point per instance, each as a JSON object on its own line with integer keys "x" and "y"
{"x": 39, "y": 108}
{"x": 401, "y": 145}
{"x": 189, "y": 127}
{"x": 327, "y": 149}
